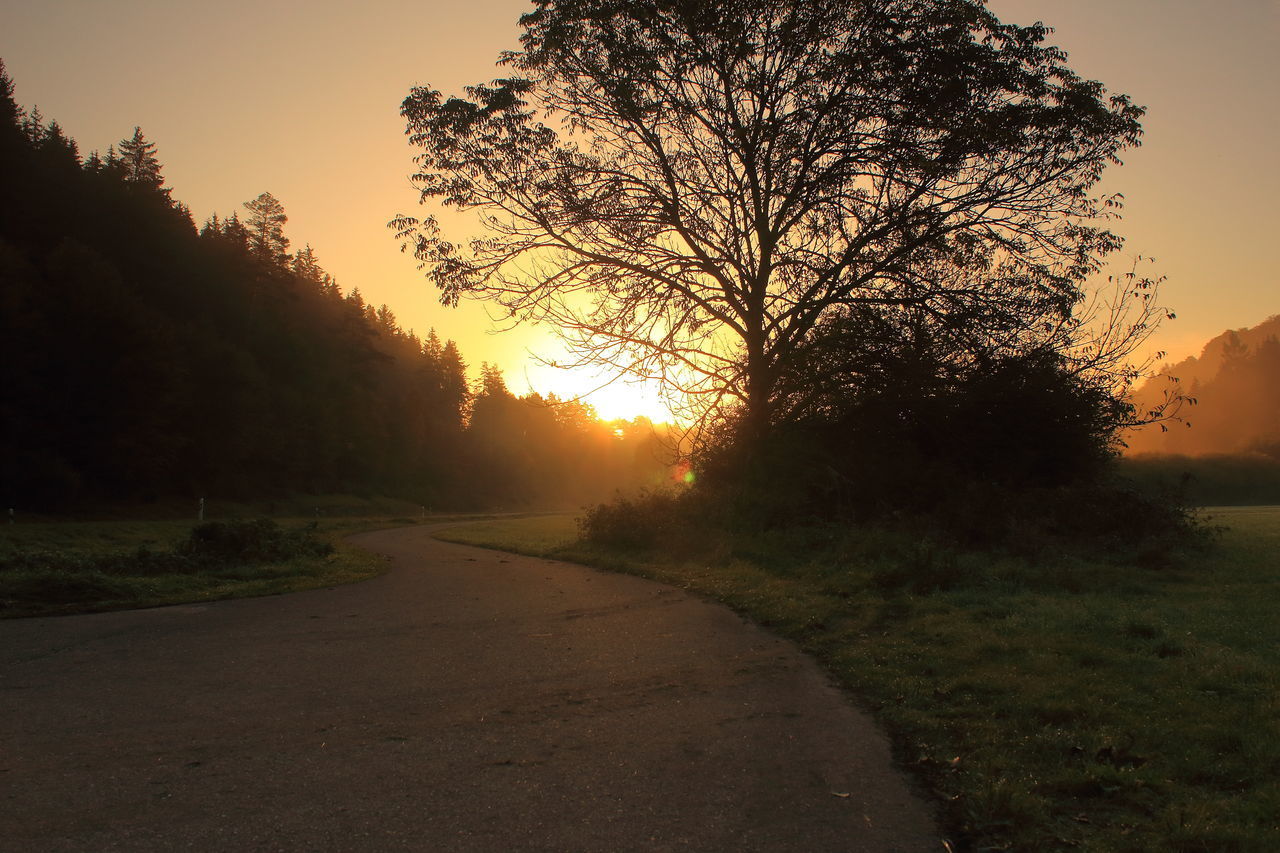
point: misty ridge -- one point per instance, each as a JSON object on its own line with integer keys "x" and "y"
{"x": 1235, "y": 385}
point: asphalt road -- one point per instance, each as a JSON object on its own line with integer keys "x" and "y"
{"x": 468, "y": 700}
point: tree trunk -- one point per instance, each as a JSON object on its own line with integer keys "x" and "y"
{"x": 755, "y": 428}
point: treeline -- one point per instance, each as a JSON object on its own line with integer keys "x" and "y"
{"x": 1231, "y": 396}
{"x": 145, "y": 358}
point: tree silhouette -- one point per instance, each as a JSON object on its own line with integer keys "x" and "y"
{"x": 137, "y": 157}
{"x": 234, "y": 371}
{"x": 306, "y": 266}
{"x": 11, "y": 112}
{"x": 690, "y": 191}
{"x": 266, "y": 228}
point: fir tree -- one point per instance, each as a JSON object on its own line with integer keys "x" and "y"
{"x": 306, "y": 266}
{"x": 235, "y": 233}
{"x": 32, "y": 125}
{"x": 138, "y": 159}
{"x": 11, "y": 113}
{"x": 57, "y": 144}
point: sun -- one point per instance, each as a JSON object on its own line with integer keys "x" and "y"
{"x": 629, "y": 400}
{"x": 613, "y": 398}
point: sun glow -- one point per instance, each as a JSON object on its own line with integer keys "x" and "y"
{"x": 613, "y": 398}
{"x": 627, "y": 401}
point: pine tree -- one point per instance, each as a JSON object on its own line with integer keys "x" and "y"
{"x": 432, "y": 349}
{"x": 11, "y": 113}
{"x": 212, "y": 227}
{"x": 32, "y": 125}
{"x": 112, "y": 164}
{"x": 356, "y": 300}
{"x": 306, "y": 266}
{"x": 457, "y": 393}
{"x": 183, "y": 213}
{"x": 58, "y": 145}
{"x": 56, "y": 150}
{"x": 234, "y": 232}
{"x": 138, "y": 159}
{"x": 266, "y": 229}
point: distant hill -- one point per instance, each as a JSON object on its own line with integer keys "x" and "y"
{"x": 1235, "y": 382}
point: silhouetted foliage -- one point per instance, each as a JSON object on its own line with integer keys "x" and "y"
{"x": 728, "y": 179}
{"x": 143, "y": 359}
{"x": 861, "y": 236}
{"x": 138, "y": 163}
{"x": 266, "y": 228}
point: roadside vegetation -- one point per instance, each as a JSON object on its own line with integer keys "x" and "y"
{"x": 1051, "y": 700}
{"x": 61, "y": 567}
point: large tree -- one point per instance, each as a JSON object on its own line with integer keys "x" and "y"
{"x": 702, "y": 191}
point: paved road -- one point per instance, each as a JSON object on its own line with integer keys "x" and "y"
{"x": 467, "y": 700}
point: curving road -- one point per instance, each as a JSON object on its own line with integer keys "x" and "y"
{"x": 468, "y": 700}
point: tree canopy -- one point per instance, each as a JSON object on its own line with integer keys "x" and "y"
{"x": 711, "y": 193}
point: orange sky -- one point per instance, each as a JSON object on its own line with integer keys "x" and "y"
{"x": 301, "y": 99}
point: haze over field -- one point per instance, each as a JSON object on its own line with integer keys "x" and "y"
{"x": 1235, "y": 383}
{"x": 303, "y": 101}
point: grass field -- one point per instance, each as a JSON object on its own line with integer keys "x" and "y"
{"x": 1056, "y": 706}
{"x": 52, "y": 568}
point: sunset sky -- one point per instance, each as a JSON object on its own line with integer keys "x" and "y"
{"x": 301, "y": 99}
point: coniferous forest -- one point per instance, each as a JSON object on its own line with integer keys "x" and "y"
{"x": 145, "y": 358}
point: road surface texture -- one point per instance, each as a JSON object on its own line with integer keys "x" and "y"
{"x": 468, "y": 700}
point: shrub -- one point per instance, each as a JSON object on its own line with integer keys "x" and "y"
{"x": 637, "y": 523}
{"x": 256, "y": 541}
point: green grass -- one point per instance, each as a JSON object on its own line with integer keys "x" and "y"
{"x": 1236, "y": 479}
{"x": 54, "y": 568}
{"x": 1060, "y": 705}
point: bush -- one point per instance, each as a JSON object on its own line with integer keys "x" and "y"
{"x": 1017, "y": 457}
{"x": 257, "y": 541}
{"x": 639, "y": 523}
{"x": 947, "y": 541}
